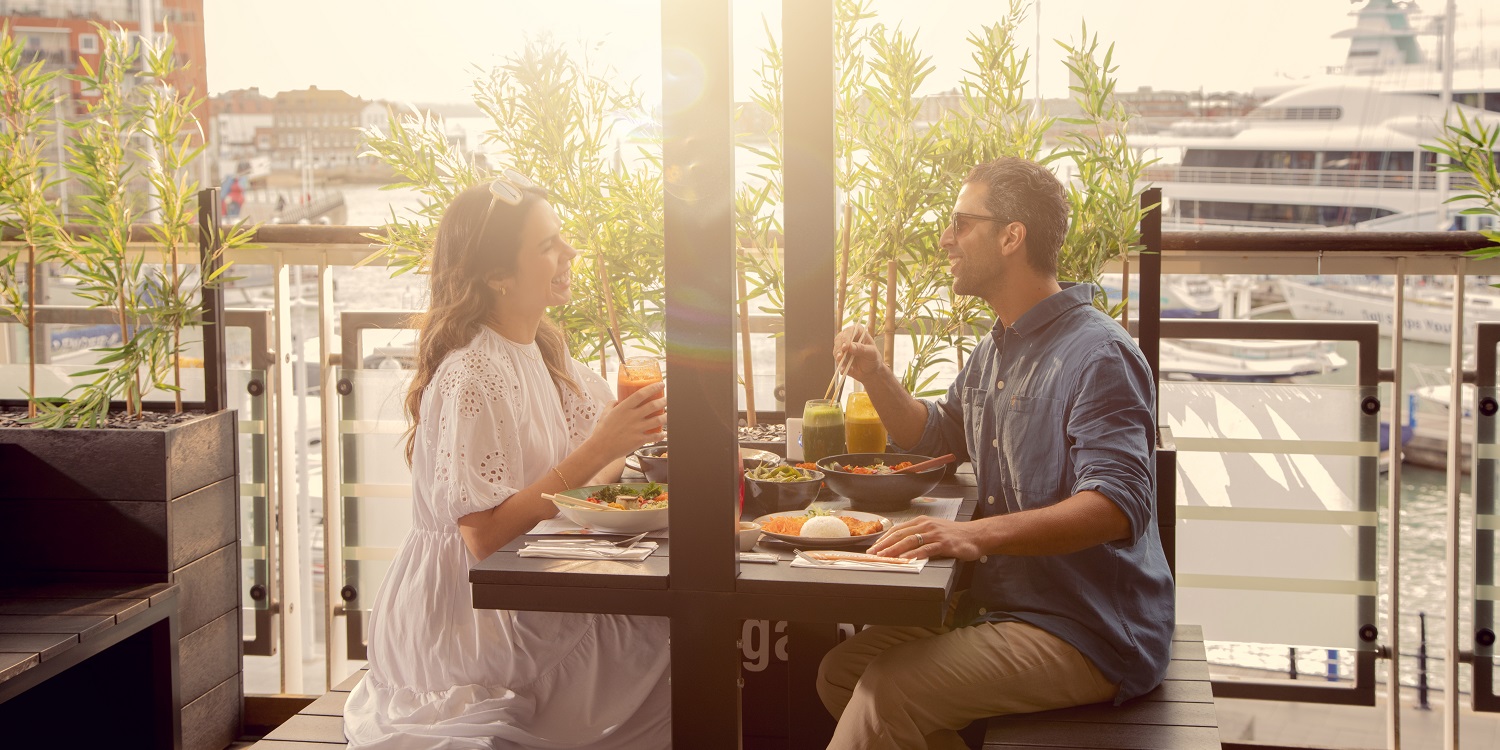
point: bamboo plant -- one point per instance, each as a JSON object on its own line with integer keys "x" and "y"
{"x": 26, "y": 177}
{"x": 897, "y": 175}
{"x": 131, "y": 153}
{"x": 1471, "y": 146}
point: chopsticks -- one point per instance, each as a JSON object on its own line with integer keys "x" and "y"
{"x": 925, "y": 465}
{"x": 573, "y": 502}
{"x": 837, "y": 383}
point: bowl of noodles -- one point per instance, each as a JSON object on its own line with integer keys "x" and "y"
{"x": 870, "y": 482}
{"x": 623, "y": 508}
{"x": 801, "y": 528}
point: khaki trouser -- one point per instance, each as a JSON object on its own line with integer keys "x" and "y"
{"x": 904, "y": 688}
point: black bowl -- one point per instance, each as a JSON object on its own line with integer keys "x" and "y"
{"x": 879, "y": 493}
{"x": 648, "y": 460}
{"x": 764, "y": 496}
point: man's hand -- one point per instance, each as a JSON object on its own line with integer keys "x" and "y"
{"x": 856, "y": 347}
{"x": 932, "y": 537}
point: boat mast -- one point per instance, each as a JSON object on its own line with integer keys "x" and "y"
{"x": 1450, "y": 16}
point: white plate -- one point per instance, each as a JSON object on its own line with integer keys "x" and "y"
{"x": 811, "y": 542}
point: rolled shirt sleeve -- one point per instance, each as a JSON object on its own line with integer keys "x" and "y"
{"x": 1111, "y": 432}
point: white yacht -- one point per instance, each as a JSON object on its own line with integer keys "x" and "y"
{"x": 1426, "y": 316}
{"x": 1246, "y": 360}
{"x": 1343, "y": 152}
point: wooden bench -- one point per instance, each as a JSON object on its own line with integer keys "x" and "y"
{"x": 1177, "y": 715}
{"x": 319, "y": 726}
{"x": 81, "y": 661}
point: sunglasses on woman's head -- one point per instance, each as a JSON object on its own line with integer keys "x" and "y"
{"x": 509, "y": 188}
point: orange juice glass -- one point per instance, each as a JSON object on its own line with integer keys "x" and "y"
{"x": 863, "y": 430}
{"x": 637, "y": 373}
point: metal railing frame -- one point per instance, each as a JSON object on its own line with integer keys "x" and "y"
{"x": 326, "y": 247}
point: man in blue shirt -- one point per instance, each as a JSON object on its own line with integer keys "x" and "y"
{"x": 1072, "y": 601}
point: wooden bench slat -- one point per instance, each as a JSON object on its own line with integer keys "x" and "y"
{"x": 1190, "y": 650}
{"x": 119, "y": 609}
{"x": 348, "y": 684}
{"x": 1032, "y": 732}
{"x": 150, "y": 591}
{"x": 1182, "y": 691}
{"x": 302, "y": 728}
{"x": 47, "y": 645}
{"x": 330, "y": 704}
{"x": 285, "y": 745}
{"x": 1134, "y": 712}
{"x": 1187, "y": 633}
{"x": 14, "y": 664}
{"x": 1183, "y": 669}
{"x": 86, "y": 626}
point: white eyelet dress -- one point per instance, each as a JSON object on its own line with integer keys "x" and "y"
{"x": 446, "y": 675}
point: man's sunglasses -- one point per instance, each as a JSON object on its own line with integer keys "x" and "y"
{"x": 961, "y": 223}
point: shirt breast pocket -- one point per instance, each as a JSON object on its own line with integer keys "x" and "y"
{"x": 1034, "y": 440}
{"x": 976, "y": 405}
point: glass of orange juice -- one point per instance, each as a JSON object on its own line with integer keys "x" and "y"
{"x": 637, "y": 373}
{"x": 863, "y": 430}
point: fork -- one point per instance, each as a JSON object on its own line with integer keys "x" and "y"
{"x": 815, "y": 561}
{"x": 622, "y": 544}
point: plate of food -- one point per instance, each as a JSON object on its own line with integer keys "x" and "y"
{"x": 820, "y": 529}
{"x": 616, "y": 508}
{"x": 871, "y": 483}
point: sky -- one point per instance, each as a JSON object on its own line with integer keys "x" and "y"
{"x": 426, "y": 51}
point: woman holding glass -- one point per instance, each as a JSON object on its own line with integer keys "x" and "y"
{"x": 501, "y": 414}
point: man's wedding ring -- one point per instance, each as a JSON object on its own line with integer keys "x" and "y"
{"x": 919, "y": 540}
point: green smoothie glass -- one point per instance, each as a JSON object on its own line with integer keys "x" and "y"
{"x": 822, "y": 429}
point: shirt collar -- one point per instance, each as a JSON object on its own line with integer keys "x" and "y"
{"x": 1073, "y": 295}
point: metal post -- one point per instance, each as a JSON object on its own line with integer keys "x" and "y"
{"x": 1150, "y": 308}
{"x": 215, "y": 368}
{"x": 1454, "y": 525}
{"x": 698, "y": 169}
{"x": 1393, "y": 504}
{"x": 1422, "y": 665}
{"x": 284, "y": 509}
{"x": 811, "y": 197}
{"x": 1291, "y": 662}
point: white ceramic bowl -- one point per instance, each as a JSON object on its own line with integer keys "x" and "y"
{"x": 613, "y": 521}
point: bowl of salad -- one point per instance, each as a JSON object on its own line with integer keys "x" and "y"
{"x": 871, "y": 483}
{"x": 772, "y": 488}
{"x": 623, "y": 508}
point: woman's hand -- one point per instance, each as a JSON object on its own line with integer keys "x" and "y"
{"x": 855, "y": 346}
{"x": 631, "y": 422}
{"x": 930, "y": 537}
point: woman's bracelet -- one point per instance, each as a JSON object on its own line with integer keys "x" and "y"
{"x": 563, "y": 478}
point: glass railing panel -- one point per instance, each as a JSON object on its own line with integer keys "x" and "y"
{"x": 1276, "y": 510}
{"x": 375, "y": 484}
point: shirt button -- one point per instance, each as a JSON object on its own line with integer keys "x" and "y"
{"x": 983, "y": 611}
{"x": 995, "y": 442}
{"x": 999, "y": 385}
{"x": 984, "y": 558}
{"x": 990, "y": 499}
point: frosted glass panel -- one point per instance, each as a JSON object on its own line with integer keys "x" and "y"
{"x": 1275, "y": 527}
{"x": 375, "y": 482}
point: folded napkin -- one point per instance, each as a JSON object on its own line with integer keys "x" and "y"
{"x": 757, "y": 557}
{"x": 578, "y": 549}
{"x": 831, "y": 561}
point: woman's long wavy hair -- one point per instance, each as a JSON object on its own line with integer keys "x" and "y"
{"x": 461, "y": 297}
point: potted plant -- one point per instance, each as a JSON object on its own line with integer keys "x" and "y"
{"x": 114, "y": 489}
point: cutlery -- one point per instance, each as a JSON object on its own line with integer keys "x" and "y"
{"x": 925, "y": 465}
{"x": 573, "y": 502}
{"x": 815, "y": 561}
{"x": 622, "y": 544}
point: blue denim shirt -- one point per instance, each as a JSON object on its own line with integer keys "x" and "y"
{"x": 1058, "y": 403}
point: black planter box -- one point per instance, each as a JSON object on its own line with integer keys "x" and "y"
{"x": 140, "y": 506}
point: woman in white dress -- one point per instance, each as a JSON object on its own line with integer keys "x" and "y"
{"x": 500, "y": 415}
